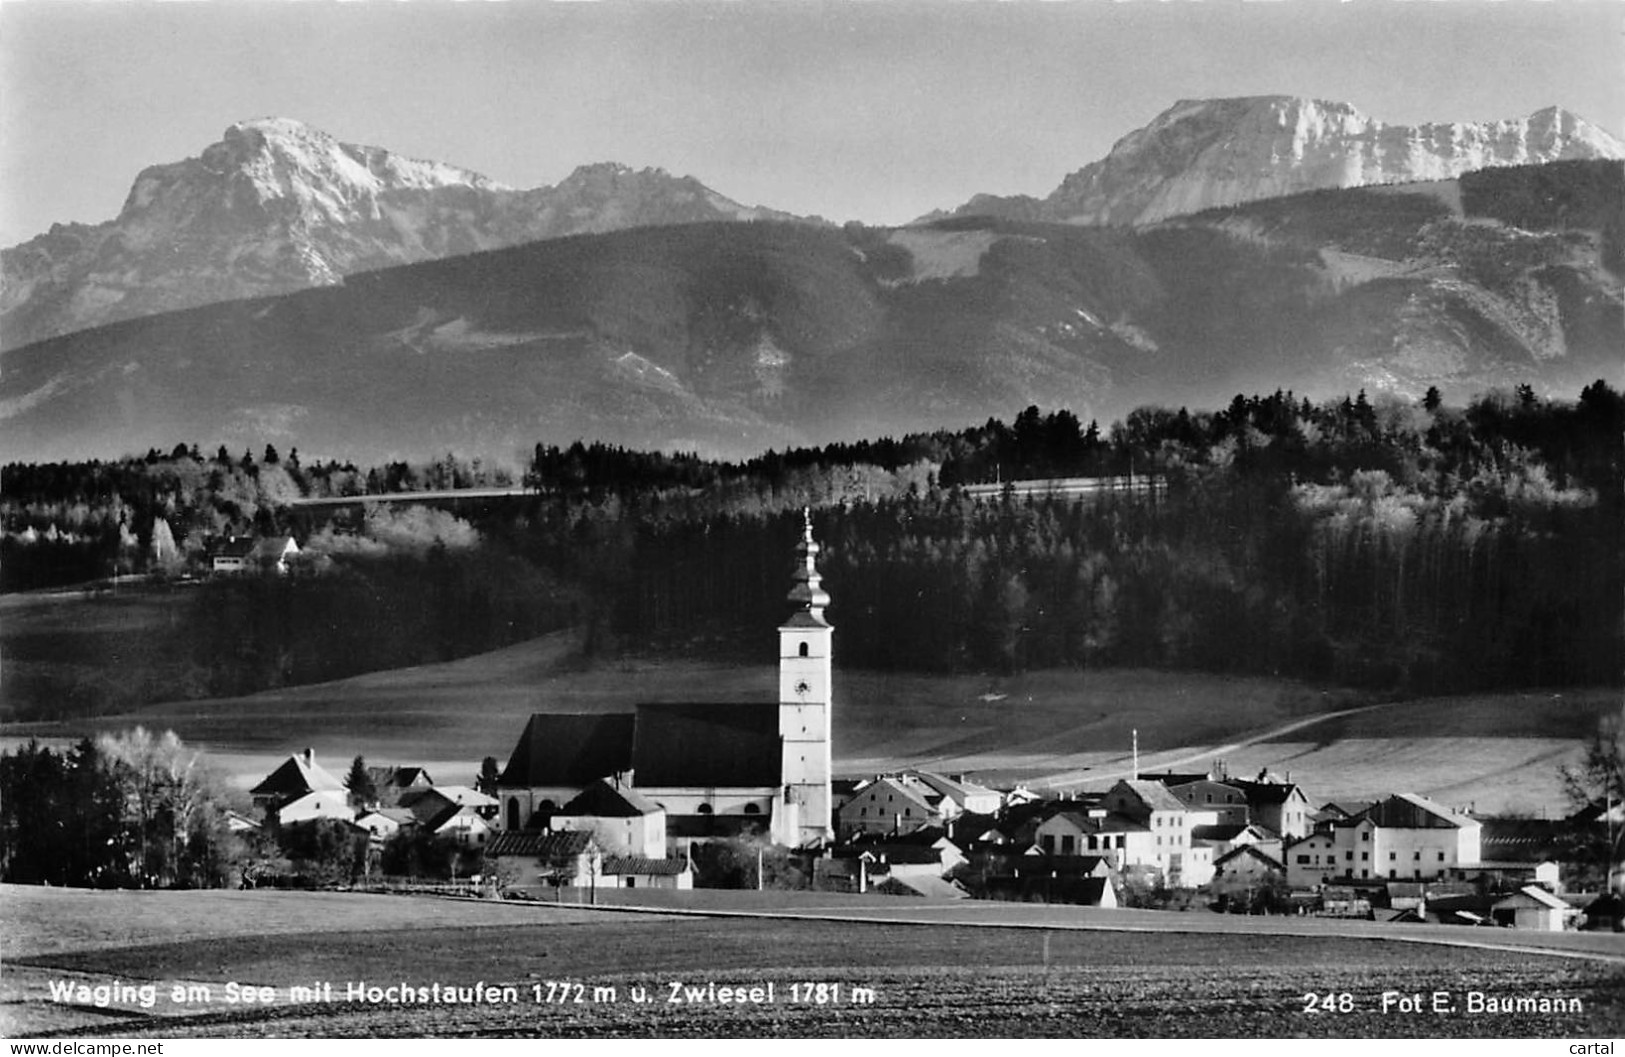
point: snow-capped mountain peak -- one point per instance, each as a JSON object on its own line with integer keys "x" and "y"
{"x": 1202, "y": 153}
{"x": 277, "y": 205}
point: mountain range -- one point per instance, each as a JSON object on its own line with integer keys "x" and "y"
{"x": 1204, "y": 153}
{"x": 633, "y": 307}
{"x": 277, "y": 206}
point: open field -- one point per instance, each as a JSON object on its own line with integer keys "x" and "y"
{"x": 1063, "y": 728}
{"x": 1050, "y": 977}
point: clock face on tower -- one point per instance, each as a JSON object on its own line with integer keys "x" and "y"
{"x": 803, "y": 688}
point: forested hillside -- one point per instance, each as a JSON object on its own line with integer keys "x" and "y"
{"x": 1389, "y": 545}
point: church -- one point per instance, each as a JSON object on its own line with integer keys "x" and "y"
{"x": 713, "y": 769}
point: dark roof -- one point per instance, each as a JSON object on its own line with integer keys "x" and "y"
{"x": 298, "y": 775}
{"x": 1073, "y": 865}
{"x": 602, "y": 799}
{"x": 236, "y": 547}
{"x": 548, "y": 846}
{"x": 923, "y": 837}
{"x": 446, "y": 814}
{"x": 570, "y": 749}
{"x": 1173, "y": 778}
{"x": 1230, "y": 832}
{"x": 1154, "y": 795}
{"x": 707, "y": 745}
{"x": 903, "y": 854}
{"x": 1409, "y": 811}
{"x": 398, "y": 777}
{"x": 1264, "y": 792}
{"x": 1251, "y": 851}
{"x": 637, "y": 864}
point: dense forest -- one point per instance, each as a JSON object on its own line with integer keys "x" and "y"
{"x": 1386, "y": 544}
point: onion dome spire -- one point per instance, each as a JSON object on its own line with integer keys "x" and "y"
{"x": 808, "y": 597}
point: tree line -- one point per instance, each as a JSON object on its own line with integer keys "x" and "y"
{"x": 1386, "y": 543}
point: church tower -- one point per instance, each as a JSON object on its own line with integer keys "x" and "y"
{"x": 805, "y": 647}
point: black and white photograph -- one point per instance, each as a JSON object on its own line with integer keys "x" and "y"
{"x": 801, "y": 519}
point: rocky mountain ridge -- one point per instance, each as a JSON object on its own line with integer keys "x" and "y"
{"x": 277, "y": 205}
{"x": 1207, "y": 153}
{"x": 730, "y": 338}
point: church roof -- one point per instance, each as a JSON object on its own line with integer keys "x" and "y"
{"x": 707, "y": 745}
{"x": 570, "y": 749}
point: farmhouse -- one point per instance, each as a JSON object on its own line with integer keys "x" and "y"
{"x": 392, "y": 783}
{"x": 1168, "y": 823}
{"x": 1405, "y": 837}
{"x": 531, "y": 859}
{"x": 1226, "y": 801}
{"x": 911, "y": 800}
{"x": 295, "y": 784}
{"x": 713, "y": 768}
{"x": 240, "y": 554}
{"x": 1250, "y": 864}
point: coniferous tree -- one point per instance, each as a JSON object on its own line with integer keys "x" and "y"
{"x": 363, "y": 790}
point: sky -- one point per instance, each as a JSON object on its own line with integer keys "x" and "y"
{"x": 877, "y": 111}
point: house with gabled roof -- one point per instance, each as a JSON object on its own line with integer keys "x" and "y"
{"x": 891, "y": 803}
{"x": 751, "y": 764}
{"x": 383, "y": 823}
{"x": 238, "y": 554}
{"x": 1405, "y": 837}
{"x": 1168, "y": 821}
{"x": 534, "y": 859}
{"x": 463, "y": 823}
{"x": 1226, "y": 802}
{"x": 1277, "y": 804}
{"x": 622, "y": 820}
{"x": 1086, "y": 831}
{"x": 1313, "y": 860}
{"x": 960, "y": 794}
{"x": 428, "y": 801}
{"x": 1222, "y": 839}
{"x": 296, "y": 777}
{"x": 1532, "y": 907}
{"x": 323, "y": 803}
{"x": 1250, "y": 864}
{"x": 390, "y": 783}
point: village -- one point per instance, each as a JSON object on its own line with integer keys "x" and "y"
{"x": 639, "y": 800}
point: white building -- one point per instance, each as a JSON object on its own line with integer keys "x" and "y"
{"x": 715, "y": 769}
{"x": 622, "y": 820}
{"x": 1405, "y": 837}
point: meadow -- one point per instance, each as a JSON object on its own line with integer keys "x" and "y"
{"x": 1063, "y": 728}
{"x": 1022, "y": 971}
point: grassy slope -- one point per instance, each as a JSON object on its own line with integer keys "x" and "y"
{"x": 1073, "y": 727}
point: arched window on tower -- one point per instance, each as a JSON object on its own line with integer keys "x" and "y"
{"x": 513, "y": 812}
{"x": 704, "y": 809}
{"x": 803, "y": 649}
